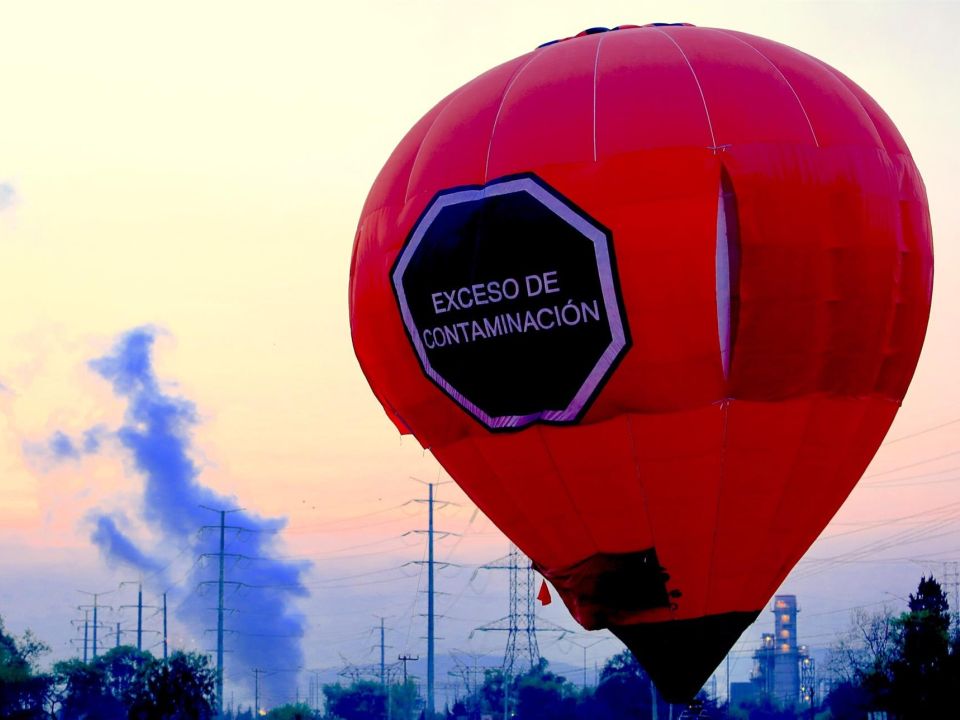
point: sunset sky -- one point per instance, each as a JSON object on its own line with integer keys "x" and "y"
{"x": 196, "y": 170}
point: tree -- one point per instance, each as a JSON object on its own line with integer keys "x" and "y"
{"x": 624, "y": 690}
{"x": 361, "y": 700}
{"x": 868, "y": 648}
{"x": 403, "y": 700}
{"x": 491, "y": 699}
{"x": 84, "y": 692}
{"x": 179, "y": 688}
{"x": 861, "y": 662}
{"x": 459, "y": 710}
{"x": 920, "y": 686}
{"x": 848, "y": 700}
{"x": 764, "y": 709}
{"x": 103, "y": 687}
{"x": 24, "y": 692}
{"x": 903, "y": 665}
{"x": 544, "y": 695}
{"x": 290, "y": 711}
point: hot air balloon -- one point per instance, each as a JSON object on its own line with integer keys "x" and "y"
{"x": 652, "y": 296}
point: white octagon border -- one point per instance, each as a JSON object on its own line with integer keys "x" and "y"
{"x": 608, "y": 287}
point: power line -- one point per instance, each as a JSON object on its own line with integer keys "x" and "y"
{"x": 913, "y": 464}
{"x": 923, "y": 432}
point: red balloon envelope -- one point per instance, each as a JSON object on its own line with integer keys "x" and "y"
{"x": 652, "y": 297}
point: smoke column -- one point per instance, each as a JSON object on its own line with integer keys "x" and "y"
{"x": 264, "y": 629}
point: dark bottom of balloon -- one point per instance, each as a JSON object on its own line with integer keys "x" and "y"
{"x": 679, "y": 655}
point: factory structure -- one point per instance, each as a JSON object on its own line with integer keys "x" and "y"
{"x": 783, "y": 670}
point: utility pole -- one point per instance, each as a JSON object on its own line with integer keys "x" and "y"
{"x": 585, "y": 647}
{"x": 405, "y": 659}
{"x": 951, "y": 581}
{"x": 118, "y": 635}
{"x": 315, "y": 682}
{"x": 728, "y": 682}
{"x": 471, "y": 673}
{"x": 139, "y": 606}
{"x": 431, "y": 563}
{"x": 95, "y": 607}
{"x": 220, "y": 624}
{"x": 164, "y": 626}
{"x": 222, "y": 527}
{"x": 431, "y": 706}
{"x": 383, "y": 665}
{"x": 86, "y": 631}
{"x": 584, "y": 667}
{"x": 256, "y": 691}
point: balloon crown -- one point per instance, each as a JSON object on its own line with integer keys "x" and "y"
{"x": 600, "y": 29}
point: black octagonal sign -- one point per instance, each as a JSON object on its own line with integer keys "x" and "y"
{"x": 509, "y": 294}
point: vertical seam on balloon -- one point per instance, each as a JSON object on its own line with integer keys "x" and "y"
{"x": 826, "y": 563}
{"x": 783, "y": 77}
{"x": 496, "y": 118}
{"x": 772, "y": 526}
{"x": 891, "y": 155}
{"x": 504, "y": 487}
{"x": 640, "y": 482}
{"x": 703, "y": 99}
{"x": 566, "y": 490}
{"x": 846, "y": 82}
{"x": 596, "y": 65}
{"x": 721, "y": 476}
{"x": 423, "y": 140}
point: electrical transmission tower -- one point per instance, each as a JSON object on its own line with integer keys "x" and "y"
{"x": 522, "y": 651}
{"x": 383, "y": 660}
{"x": 431, "y": 563}
{"x": 139, "y": 606}
{"x": 951, "y": 581}
{"x": 222, "y": 527}
{"x": 95, "y": 607}
{"x": 164, "y": 626}
{"x": 86, "y": 632}
{"x": 469, "y": 670}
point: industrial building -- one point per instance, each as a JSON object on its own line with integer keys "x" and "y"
{"x": 783, "y": 670}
